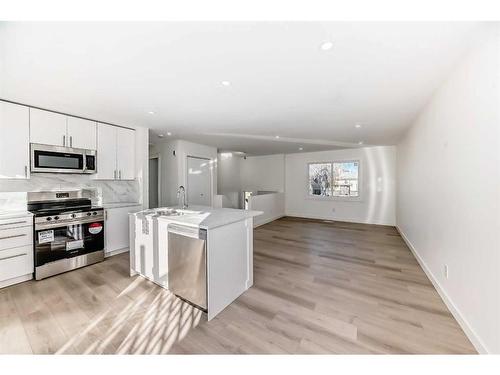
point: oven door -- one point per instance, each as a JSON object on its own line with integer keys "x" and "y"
{"x": 57, "y": 159}
{"x": 54, "y": 241}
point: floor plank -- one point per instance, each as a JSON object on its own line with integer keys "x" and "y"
{"x": 321, "y": 287}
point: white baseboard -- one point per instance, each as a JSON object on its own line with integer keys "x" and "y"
{"x": 345, "y": 220}
{"x": 267, "y": 220}
{"x": 472, "y": 336}
{"x": 116, "y": 252}
{"x": 15, "y": 280}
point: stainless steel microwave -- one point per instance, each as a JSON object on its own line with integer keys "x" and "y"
{"x": 58, "y": 159}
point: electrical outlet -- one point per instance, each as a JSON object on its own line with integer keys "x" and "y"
{"x": 445, "y": 271}
{"x": 333, "y": 209}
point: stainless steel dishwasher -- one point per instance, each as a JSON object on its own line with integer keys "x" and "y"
{"x": 187, "y": 264}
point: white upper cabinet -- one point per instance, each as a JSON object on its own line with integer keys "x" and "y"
{"x": 125, "y": 153}
{"x": 54, "y": 129}
{"x": 14, "y": 140}
{"x": 47, "y": 128}
{"x": 106, "y": 152}
{"x": 82, "y": 133}
{"x": 115, "y": 153}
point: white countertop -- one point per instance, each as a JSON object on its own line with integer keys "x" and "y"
{"x": 120, "y": 204}
{"x": 207, "y": 217}
{"x": 14, "y": 214}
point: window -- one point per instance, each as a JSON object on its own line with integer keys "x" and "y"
{"x": 334, "y": 179}
{"x": 320, "y": 179}
{"x": 345, "y": 179}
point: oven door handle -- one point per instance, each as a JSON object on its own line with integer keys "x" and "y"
{"x": 62, "y": 224}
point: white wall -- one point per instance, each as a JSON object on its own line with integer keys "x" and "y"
{"x": 174, "y": 168}
{"x": 263, "y": 173}
{"x": 449, "y": 192}
{"x": 272, "y": 205}
{"x": 376, "y": 204}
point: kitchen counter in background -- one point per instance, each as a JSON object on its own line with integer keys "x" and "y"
{"x": 120, "y": 204}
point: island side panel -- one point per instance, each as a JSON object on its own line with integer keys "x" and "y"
{"x": 230, "y": 264}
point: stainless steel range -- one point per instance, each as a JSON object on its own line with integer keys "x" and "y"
{"x": 68, "y": 231}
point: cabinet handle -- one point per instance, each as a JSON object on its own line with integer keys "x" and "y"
{"x": 105, "y": 215}
{"x": 13, "y": 236}
{"x": 64, "y": 140}
{"x": 70, "y": 141}
{"x": 14, "y": 256}
{"x": 120, "y": 174}
{"x": 114, "y": 174}
{"x": 26, "y": 171}
{"x": 14, "y": 222}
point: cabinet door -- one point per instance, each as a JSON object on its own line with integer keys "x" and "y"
{"x": 125, "y": 153}
{"x": 82, "y": 133}
{"x": 48, "y": 128}
{"x": 106, "y": 152}
{"x": 117, "y": 228}
{"x": 14, "y": 141}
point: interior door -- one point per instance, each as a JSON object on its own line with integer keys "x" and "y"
{"x": 81, "y": 133}
{"x": 48, "y": 128}
{"x": 14, "y": 141}
{"x": 198, "y": 181}
{"x": 153, "y": 183}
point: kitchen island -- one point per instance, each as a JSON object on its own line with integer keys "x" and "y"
{"x": 201, "y": 254}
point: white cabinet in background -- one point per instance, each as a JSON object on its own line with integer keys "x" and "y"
{"x": 106, "y": 152}
{"x": 48, "y": 128}
{"x": 116, "y": 233}
{"x": 55, "y": 129}
{"x": 115, "y": 153}
{"x": 14, "y": 141}
{"x": 125, "y": 153}
{"x": 82, "y": 133}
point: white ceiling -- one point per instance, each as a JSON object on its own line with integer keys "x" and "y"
{"x": 281, "y": 81}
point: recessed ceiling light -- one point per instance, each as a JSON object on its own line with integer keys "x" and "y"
{"x": 326, "y": 46}
{"x": 301, "y": 148}
{"x": 357, "y": 126}
{"x": 226, "y": 83}
{"x": 151, "y": 112}
{"x": 360, "y": 142}
{"x": 160, "y": 135}
{"x": 169, "y": 134}
{"x": 277, "y": 136}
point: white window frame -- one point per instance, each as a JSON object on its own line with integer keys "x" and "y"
{"x": 334, "y": 198}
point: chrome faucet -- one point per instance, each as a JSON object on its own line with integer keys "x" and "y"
{"x": 182, "y": 192}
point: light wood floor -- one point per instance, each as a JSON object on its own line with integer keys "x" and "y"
{"x": 320, "y": 287}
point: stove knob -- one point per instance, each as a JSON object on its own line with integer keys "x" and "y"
{"x": 73, "y": 216}
{"x": 89, "y": 213}
{"x": 94, "y": 213}
{"x": 49, "y": 218}
{"x": 56, "y": 217}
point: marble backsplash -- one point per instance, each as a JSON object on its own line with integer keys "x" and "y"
{"x": 111, "y": 191}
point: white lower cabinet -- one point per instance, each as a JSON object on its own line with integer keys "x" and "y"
{"x": 116, "y": 233}
{"x": 16, "y": 250}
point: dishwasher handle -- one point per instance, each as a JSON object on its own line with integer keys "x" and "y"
{"x": 187, "y": 231}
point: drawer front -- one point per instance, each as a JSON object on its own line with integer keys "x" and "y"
{"x": 16, "y": 222}
{"x": 16, "y": 262}
{"x": 15, "y": 237}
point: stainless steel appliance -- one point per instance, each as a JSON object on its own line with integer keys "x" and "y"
{"x": 68, "y": 231}
{"x": 187, "y": 264}
{"x": 58, "y": 159}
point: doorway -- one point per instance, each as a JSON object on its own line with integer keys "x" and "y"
{"x": 199, "y": 181}
{"x": 154, "y": 182}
